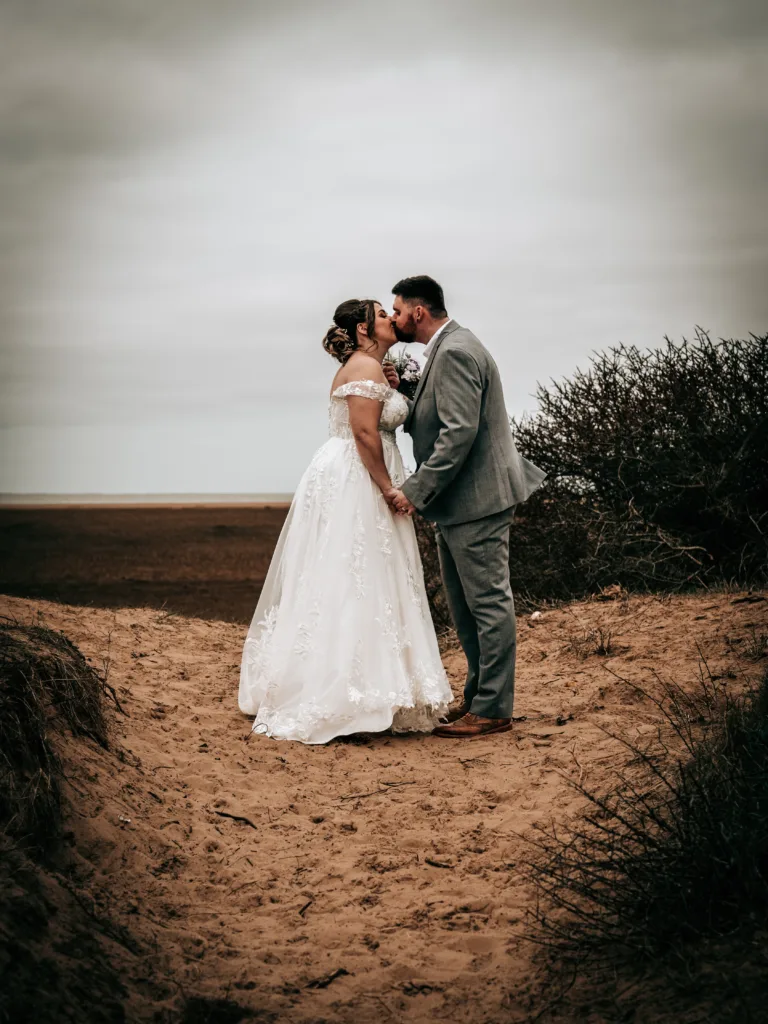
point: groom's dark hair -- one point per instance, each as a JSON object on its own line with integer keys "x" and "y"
{"x": 422, "y": 290}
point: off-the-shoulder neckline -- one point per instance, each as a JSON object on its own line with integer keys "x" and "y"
{"x": 366, "y": 380}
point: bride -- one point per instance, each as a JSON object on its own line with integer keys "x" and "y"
{"x": 342, "y": 640}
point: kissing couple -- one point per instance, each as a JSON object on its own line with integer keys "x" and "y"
{"x": 342, "y": 640}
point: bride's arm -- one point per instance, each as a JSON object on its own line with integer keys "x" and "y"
{"x": 364, "y": 416}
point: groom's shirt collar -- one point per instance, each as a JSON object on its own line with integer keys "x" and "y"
{"x": 431, "y": 343}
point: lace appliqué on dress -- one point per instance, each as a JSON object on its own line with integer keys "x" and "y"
{"x": 385, "y": 531}
{"x": 363, "y": 389}
{"x": 305, "y": 634}
{"x": 417, "y": 597}
{"x": 257, "y": 647}
{"x": 357, "y": 559}
{"x": 389, "y": 629}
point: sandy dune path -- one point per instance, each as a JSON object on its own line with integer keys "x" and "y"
{"x": 371, "y": 879}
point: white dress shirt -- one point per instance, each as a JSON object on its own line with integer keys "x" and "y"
{"x": 431, "y": 343}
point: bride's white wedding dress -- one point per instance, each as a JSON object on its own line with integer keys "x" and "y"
{"x": 342, "y": 640}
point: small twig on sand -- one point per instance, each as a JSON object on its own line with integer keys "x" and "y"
{"x": 437, "y": 863}
{"x": 237, "y": 817}
{"x": 374, "y": 792}
{"x": 237, "y": 888}
{"x": 326, "y": 981}
{"x": 380, "y": 1000}
{"x": 306, "y": 907}
{"x": 113, "y": 694}
{"x": 578, "y": 764}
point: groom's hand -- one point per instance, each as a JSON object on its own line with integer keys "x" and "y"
{"x": 391, "y": 374}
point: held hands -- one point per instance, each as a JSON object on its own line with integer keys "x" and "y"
{"x": 391, "y": 374}
{"x": 398, "y": 502}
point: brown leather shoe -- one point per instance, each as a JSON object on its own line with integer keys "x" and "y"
{"x": 472, "y": 727}
{"x": 454, "y": 714}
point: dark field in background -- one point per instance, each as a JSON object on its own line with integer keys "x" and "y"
{"x": 208, "y": 562}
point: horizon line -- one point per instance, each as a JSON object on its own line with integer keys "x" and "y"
{"x": 103, "y": 500}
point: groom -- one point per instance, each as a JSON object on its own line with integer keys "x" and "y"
{"x": 469, "y": 478}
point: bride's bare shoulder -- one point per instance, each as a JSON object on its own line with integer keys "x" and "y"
{"x": 359, "y": 366}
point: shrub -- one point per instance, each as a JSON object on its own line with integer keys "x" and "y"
{"x": 657, "y": 466}
{"x": 677, "y": 850}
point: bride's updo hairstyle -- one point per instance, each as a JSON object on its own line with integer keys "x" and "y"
{"x": 340, "y": 340}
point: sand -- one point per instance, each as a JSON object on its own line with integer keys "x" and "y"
{"x": 369, "y": 880}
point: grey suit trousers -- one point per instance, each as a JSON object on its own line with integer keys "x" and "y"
{"x": 474, "y": 562}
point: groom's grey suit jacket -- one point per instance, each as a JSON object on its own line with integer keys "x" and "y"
{"x": 467, "y": 463}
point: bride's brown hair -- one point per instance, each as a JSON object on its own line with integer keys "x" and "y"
{"x": 340, "y": 339}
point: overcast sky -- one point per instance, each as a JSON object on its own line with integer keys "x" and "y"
{"x": 188, "y": 189}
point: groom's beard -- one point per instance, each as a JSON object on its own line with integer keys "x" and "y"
{"x": 401, "y": 335}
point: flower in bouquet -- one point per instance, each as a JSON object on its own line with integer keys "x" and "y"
{"x": 408, "y": 370}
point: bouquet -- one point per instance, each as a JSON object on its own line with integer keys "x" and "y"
{"x": 408, "y": 370}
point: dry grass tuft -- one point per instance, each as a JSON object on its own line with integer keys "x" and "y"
{"x": 673, "y": 857}
{"x": 756, "y": 646}
{"x": 590, "y": 641}
{"x": 43, "y": 678}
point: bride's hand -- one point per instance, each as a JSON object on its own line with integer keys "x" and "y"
{"x": 391, "y": 374}
{"x": 398, "y": 502}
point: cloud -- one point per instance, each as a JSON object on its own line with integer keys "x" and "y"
{"x": 189, "y": 188}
